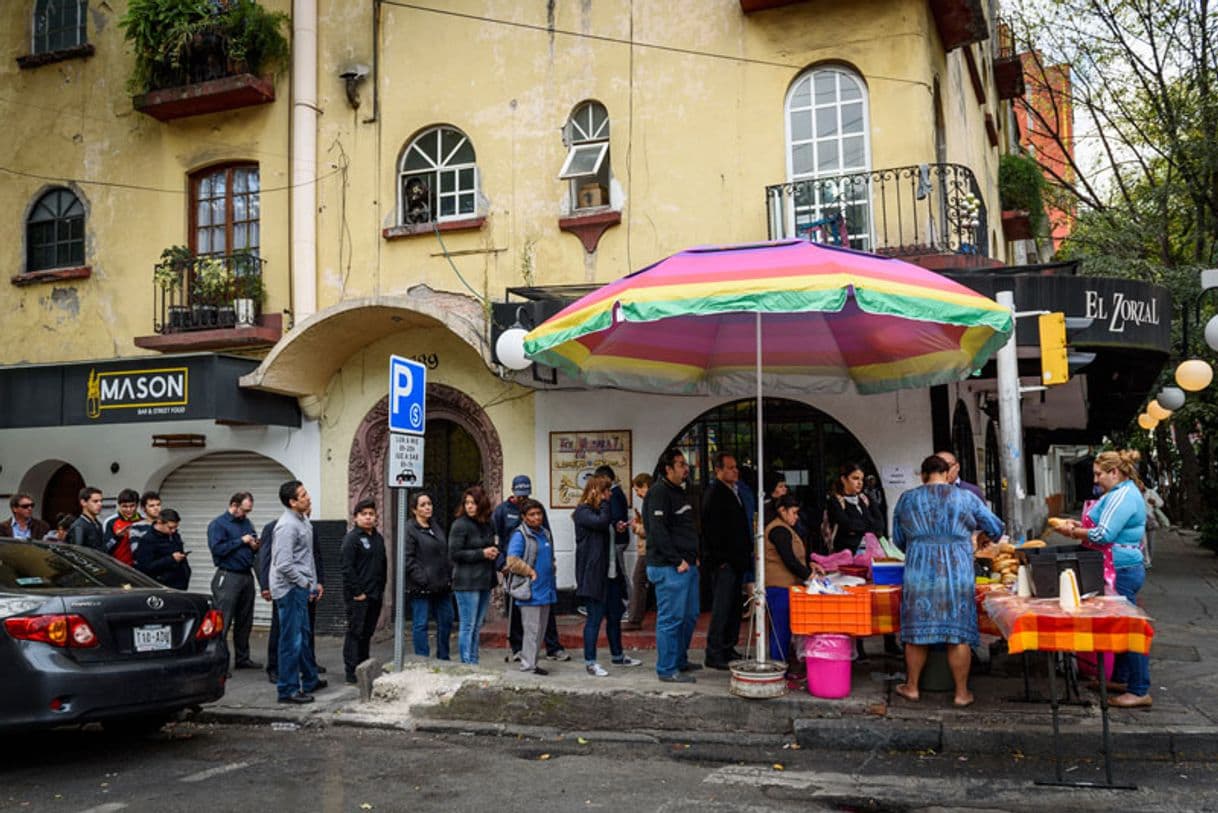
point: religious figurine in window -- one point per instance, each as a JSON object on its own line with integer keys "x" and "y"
{"x": 417, "y": 201}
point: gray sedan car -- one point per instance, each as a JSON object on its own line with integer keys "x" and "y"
{"x": 84, "y": 638}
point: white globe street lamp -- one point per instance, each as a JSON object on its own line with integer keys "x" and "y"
{"x": 510, "y": 349}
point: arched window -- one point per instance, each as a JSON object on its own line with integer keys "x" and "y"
{"x": 225, "y": 210}
{"x": 587, "y": 163}
{"x": 828, "y": 155}
{"x": 438, "y": 178}
{"x": 58, "y": 25}
{"x": 55, "y": 232}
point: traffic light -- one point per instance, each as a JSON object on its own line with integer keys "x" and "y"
{"x": 1054, "y": 355}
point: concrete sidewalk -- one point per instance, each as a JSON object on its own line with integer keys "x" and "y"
{"x": 495, "y": 697}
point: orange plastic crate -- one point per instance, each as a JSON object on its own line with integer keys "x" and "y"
{"x": 848, "y": 615}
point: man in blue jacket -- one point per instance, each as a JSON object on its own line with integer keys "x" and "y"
{"x": 233, "y": 543}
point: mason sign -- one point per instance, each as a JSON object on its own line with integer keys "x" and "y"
{"x": 148, "y": 392}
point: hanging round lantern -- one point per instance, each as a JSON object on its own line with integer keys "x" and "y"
{"x": 1194, "y": 375}
{"x": 1211, "y": 333}
{"x": 510, "y": 349}
{"x": 1156, "y": 411}
{"x": 1171, "y": 398}
{"x": 1147, "y": 422}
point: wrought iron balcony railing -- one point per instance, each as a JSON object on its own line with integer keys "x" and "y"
{"x": 901, "y": 211}
{"x": 207, "y": 292}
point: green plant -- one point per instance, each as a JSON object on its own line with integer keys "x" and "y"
{"x": 211, "y": 281}
{"x": 170, "y": 271}
{"x": 247, "y": 276}
{"x": 1021, "y": 185}
{"x": 179, "y": 42}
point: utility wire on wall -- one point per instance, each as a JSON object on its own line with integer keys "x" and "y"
{"x": 63, "y": 179}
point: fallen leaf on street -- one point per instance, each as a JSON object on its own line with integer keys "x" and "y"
{"x": 365, "y": 806}
{"x": 582, "y": 741}
{"x": 544, "y": 757}
{"x": 778, "y": 766}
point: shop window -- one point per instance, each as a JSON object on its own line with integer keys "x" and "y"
{"x": 225, "y": 209}
{"x": 828, "y": 153}
{"x": 59, "y": 25}
{"x": 586, "y": 167}
{"x": 437, "y": 178}
{"x": 55, "y": 232}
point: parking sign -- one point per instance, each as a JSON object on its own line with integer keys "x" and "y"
{"x": 407, "y": 396}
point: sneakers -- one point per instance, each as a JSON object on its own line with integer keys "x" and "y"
{"x": 558, "y": 655}
{"x": 582, "y": 610}
{"x": 515, "y": 656}
{"x": 679, "y": 677}
{"x": 596, "y": 670}
{"x": 626, "y": 660}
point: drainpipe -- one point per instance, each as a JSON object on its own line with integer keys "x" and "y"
{"x": 304, "y": 159}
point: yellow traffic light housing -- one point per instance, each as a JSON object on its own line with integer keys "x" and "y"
{"x": 1054, "y": 355}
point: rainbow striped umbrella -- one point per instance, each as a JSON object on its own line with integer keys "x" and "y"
{"x": 787, "y": 316}
{"x": 829, "y": 317}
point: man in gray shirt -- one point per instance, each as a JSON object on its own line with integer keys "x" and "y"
{"x": 293, "y": 586}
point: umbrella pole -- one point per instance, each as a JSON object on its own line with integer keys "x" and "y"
{"x": 759, "y": 608}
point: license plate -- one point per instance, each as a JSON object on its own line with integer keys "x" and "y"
{"x": 153, "y": 638}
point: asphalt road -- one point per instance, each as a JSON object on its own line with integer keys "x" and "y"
{"x": 199, "y": 768}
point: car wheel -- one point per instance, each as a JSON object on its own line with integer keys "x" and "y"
{"x": 136, "y": 726}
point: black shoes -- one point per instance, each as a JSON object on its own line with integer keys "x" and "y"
{"x": 321, "y": 684}
{"x": 537, "y": 670}
{"x": 272, "y": 677}
{"x": 350, "y": 680}
{"x": 690, "y": 667}
{"x": 679, "y": 677}
{"x": 321, "y": 670}
{"x": 247, "y": 665}
{"x": 300, "y": 698}
{"x": 716, "y": 664}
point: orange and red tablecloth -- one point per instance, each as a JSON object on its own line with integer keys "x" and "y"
{"x": 1102, "y": 623}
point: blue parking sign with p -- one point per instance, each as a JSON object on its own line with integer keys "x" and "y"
{"x": 407, "y": 396}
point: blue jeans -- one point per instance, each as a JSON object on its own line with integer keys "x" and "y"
{"x": 676, "y": 615}
{"x": 778, "y": 605}
{"x": 471, "y": 606}
{"x": 610, "y": 611}
{"x": 1132, "y": 668}
{"x": 297, "y": 669}
{"x": 424, "y": 608}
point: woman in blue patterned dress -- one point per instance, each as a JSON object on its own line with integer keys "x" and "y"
{"x": 934, "y": 524}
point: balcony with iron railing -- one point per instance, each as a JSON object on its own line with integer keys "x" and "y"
{"x": 932, "y": 214}
{"x": 210, "y": 302}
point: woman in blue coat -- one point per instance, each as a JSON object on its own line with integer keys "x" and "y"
{"x": 530, "y": 553}
{"x": 600, "y": 572}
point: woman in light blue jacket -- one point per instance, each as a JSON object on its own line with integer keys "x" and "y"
{"x": 530, "y": 553}
{"x": 1120, "y": 521}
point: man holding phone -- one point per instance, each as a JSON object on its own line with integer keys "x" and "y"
{"x": 161, "y": 554}
{"x": 232, "y": 542}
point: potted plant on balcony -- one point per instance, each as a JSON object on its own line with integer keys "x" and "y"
{"x": 183, "y": 42}
{"x": 168, "y": 275}
{"x": 248, "y": 288}
{"x": 1021, "y": 193}
{"x": 211, "y": 287}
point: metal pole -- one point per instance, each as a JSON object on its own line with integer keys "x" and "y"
{"x": 399, "y": 583}
{"x": 759, "y": 577}
{"x": 1010, "y": 427}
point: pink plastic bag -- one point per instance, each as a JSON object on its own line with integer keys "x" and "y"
{"x": 833, "y": 561}
{"x": 1109, "y": 568}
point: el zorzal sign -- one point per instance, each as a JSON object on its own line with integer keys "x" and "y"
{"x": 143, "y": 390}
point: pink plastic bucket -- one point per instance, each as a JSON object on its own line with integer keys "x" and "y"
{"x": 827, "y": 658}
{"x": 1087, "y": 664}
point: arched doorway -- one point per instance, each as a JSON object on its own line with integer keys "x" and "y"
{"x": 962, "y": 443}
{"x": 62, "y": 493}
{"x": 803, "y": 442}
{"x": 993, "y": 470}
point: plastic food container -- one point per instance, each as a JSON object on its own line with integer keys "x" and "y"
{"x": 888, "y": 572}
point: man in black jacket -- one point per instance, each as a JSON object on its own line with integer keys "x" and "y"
{"x": 672, "y": 566}
{"x": 726, "y": 554}
{"x": 364, "y": 575}
{"x": 262, "y": 568}
{"x": 161, "y": 554}
{"x": 87, "y": 529}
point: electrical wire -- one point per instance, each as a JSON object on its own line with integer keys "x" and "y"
{"x": 435, "y": 227}
{"x": 139, "y": 188}
{"x": 632, "y": 42}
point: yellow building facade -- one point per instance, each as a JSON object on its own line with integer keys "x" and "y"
{"x": 440, "y": 133}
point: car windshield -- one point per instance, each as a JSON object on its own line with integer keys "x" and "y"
{"x": 25, "y": 566}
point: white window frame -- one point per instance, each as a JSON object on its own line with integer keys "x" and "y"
{"x": 578, "y": 139}
{"x": 436, "y": 170}
{"x": 867, "y": 237}
{"x": 601, "y": 148}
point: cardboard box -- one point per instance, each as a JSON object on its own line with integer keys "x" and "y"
{"x": 591, "y": 195}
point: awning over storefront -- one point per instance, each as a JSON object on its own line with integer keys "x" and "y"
{"x": 140, "y": 390}
{"x": 304, "y": 360}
